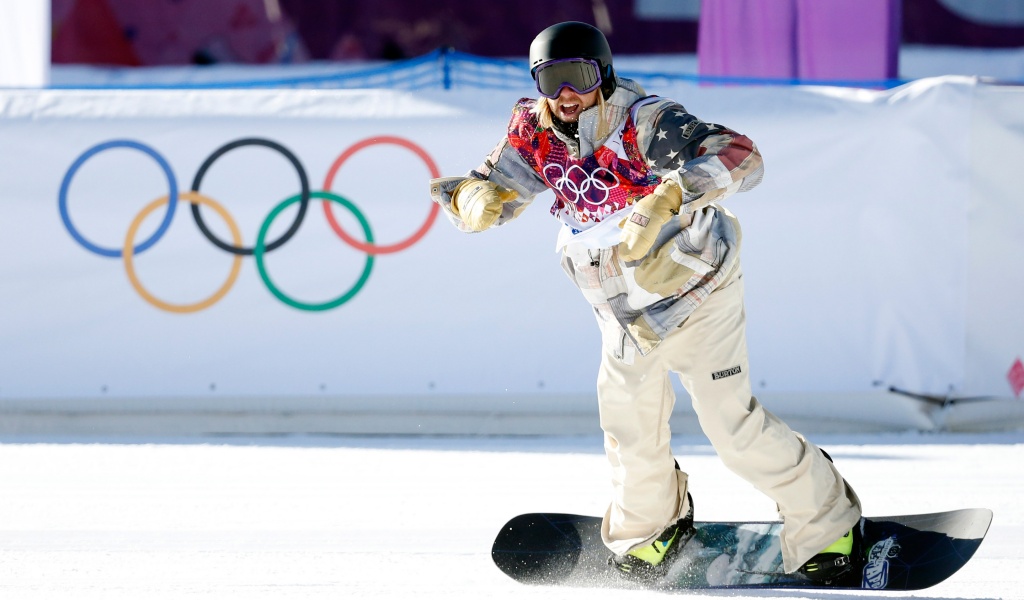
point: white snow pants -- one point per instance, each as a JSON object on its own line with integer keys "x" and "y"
{"x": 709, "y": 353}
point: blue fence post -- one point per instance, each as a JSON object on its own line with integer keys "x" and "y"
{"x": 446, "y": 69}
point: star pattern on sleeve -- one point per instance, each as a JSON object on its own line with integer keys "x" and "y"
{"x": 677, "y": 139}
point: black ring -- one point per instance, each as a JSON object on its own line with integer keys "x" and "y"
{"x": 303, "y": 202}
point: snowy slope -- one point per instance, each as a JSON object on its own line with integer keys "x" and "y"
{"x": 299, "y": 517}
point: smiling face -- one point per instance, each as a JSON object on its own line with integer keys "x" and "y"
{"x": 569, "y": 104}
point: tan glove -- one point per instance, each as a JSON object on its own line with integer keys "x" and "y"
{"x": 649, "y": 214}
{"x": 478, "y": 202}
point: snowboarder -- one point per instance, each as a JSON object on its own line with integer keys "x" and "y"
{"x": 638, "y": 184}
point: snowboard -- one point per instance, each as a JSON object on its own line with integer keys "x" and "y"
{"x": 905, "y": 552}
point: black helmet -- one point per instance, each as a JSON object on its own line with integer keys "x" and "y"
{"x": 573, "y": 39}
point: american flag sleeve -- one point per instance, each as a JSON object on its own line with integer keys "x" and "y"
{"x": 708, "y": 161}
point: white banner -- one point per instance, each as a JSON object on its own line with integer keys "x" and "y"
{"x": 994, "y": 281}
{"x": 24, "y": 43}
{"x": 861, "y": 248}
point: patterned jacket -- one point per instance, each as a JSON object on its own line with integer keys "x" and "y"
{"x": 626, "y": 146}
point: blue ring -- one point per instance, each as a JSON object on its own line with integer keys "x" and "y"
{"x": 172, "y": 198}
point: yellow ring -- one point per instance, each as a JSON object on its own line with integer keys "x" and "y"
{"x": 128, "y": 254}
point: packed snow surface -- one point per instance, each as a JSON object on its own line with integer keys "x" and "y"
{"x": 384, "y": 517}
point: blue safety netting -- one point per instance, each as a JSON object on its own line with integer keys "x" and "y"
{"x": 448, "y": 69}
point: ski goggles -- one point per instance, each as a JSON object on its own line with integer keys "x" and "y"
{"x": 581, "y": 75}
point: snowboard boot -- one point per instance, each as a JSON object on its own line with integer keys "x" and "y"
{"x": 650, "y": 562}
{"x": 833, "y": 562}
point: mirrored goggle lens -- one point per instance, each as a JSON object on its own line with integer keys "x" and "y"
{"x": 581, "y": 75}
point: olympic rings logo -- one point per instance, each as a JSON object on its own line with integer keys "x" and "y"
{"x": 258, "y": 251}
{"x": 579, "y": 183}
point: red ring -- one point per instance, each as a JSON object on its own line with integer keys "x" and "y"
{"x": 371, "y": 248}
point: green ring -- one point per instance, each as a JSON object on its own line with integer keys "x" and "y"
{"x": 260, "y": 248}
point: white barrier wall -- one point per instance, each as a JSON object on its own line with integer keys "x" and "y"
{"x": 881, "y": 250}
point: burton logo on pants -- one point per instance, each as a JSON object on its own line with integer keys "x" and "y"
{"x": 726, "y": 373}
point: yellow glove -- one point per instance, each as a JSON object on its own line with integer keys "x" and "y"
{"x": 478, "y": 202}
{"x": 649, "y": 214}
